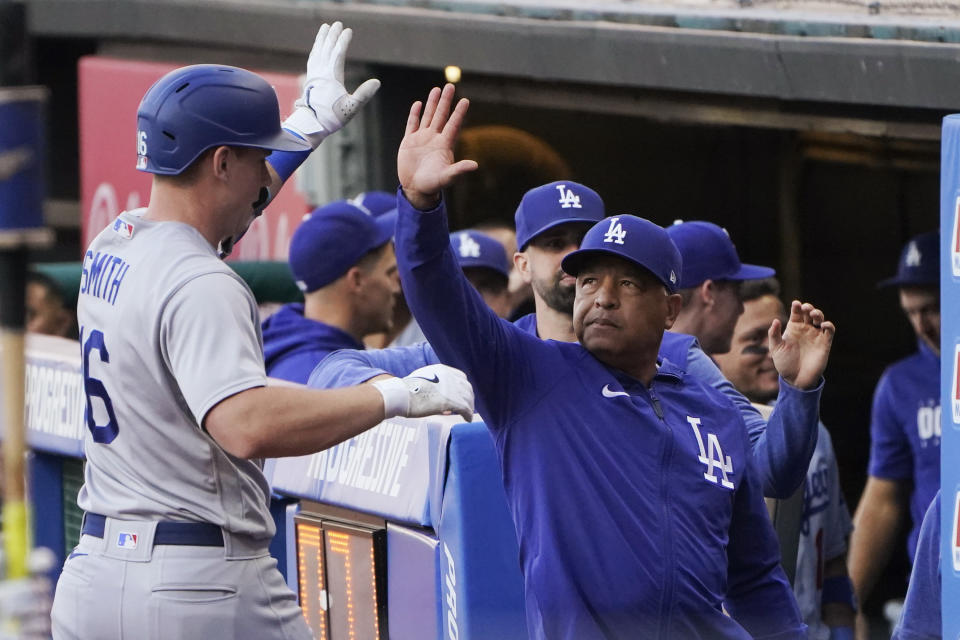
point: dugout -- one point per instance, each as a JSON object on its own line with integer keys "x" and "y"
{"x": 810, "y": 131}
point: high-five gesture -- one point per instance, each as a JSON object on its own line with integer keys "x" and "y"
{"x": 425, "y": 163}
{"x": 800, "y": 354}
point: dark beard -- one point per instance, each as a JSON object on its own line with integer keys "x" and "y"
{"x": 556, "y": 297}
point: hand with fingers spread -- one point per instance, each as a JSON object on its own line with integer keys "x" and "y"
{"x": 800, "y": 354}
{"x": 325, "y": 105}
{"x": 425, "y": 163}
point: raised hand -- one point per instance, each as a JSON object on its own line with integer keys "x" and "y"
{"x": 425, "y": 163}
{"x": 325, "y": 105}
{"x": 800, "y": 354}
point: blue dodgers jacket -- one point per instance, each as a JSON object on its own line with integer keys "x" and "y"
{"x": 905, "y": 430}
{"x": 921, "y": 618}
{"x": 637, "y": 509}
{"x": 293, "y": 345}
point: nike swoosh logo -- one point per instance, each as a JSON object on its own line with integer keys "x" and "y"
{"x": 435, "y": 379}
{"x": 607, "y": 393}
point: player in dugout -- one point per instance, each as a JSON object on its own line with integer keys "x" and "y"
{"x": 904, "y": 471}
{"x": 349, "y": 289}
{"x": 179, "y": 415}
{"x": 551, "y": 220}
{"x": 671, "y": 526}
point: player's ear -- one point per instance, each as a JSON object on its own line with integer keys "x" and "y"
{"x": 355, "y": 278}
{"x": 674, "y": 302}
{"x": 221, "y": 160}
{"x": 707, "y": 292}
{"x": 523, "y": 266}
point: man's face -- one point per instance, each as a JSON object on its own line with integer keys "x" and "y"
{"x": 45, "y": 313}
{"x": 381, "y": 287}
{"x": 249, "y": 174}
{"x": 621, "y": 311}
{"x": 922, "y": 306}
{"x": 748, "y": 365}
{"x": 723, "y": 317}
{"x": 541, "y": 267}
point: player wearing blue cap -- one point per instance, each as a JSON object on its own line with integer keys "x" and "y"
{"x": 349, "y": 289}
{"x": 712, "y": 273}
{"x": 484, "y": 263}
{"x": 174, "y": 538}
{"x": 904, "y": 423}
{"x": 670, "y": 521}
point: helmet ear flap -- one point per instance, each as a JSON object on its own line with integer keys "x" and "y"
{"x": 194, "y": 108}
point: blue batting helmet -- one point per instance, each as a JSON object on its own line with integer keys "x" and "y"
{"x": 194, "y": 108}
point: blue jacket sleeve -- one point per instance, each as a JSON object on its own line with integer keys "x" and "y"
{"x": 759, "y": 597}
{"x": 921, "y": 617}
{"x": 498, "y": 358}
{"x": 782, "y": 447}
{"x": 348, "y": 367}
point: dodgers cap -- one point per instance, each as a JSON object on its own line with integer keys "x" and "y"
{"x": 553, "y": 204}
{"x": 330, "y": 240}
{"x": 376, "y": 203}
{"x": 919, "y": 264}
{"x": 478, "y": 250}
{"x": 635, "y": 239}
{"x": 708, "y": 254}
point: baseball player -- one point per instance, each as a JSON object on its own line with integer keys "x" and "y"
{"x": 176, "y": 526}
{"x": 670, "y": 518}
{"x": 349, "y": 289}
{"x": 904, "y": 424}
{"x": 822, "y": 587}
{"x": 551, "y": 220}
{"x": 484, "y": 263}
{"x": 921, "y": 617}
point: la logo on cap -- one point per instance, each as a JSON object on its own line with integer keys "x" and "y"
{"x": 955, "y": 241}
{"x": 615, "y": 233}
{"x": 955, "y": 389}
{"x": 568, "y": 198}
{"x": 955, "y": 540}
{"x": 468, "y": 247}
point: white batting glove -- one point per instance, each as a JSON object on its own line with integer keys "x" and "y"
{"x": 428, "y": 391}
{"x": 325, "y": 105}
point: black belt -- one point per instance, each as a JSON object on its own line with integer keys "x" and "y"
{"x": 194, "y": 534}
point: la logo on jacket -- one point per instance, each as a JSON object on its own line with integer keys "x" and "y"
{"x": 712, "y": 456}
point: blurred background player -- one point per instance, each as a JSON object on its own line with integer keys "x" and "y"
{"x": 47, "y": 310}
{"x": 342, "y": 259}
{"x": 822, "y": 587}
{"x": 484, "y": 262}
{"x": 176, "y": 527}
{"x": 904, "y": 471}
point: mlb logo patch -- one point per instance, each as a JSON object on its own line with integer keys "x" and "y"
{"x": 127, "y": 540}
{"x": 955, "y": 241}
{"x": 955, "y": 388}
{"x": 955, "y": 540}
{"x": 124, "y": 229}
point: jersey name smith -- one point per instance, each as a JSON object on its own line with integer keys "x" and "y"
{"x": 102, "y": 275}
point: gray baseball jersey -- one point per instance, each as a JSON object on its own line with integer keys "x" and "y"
{"x": 823, "y": 532}
{"x": 167, "y": 331}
